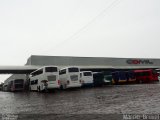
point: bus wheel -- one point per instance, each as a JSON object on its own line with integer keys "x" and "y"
{"x": 137, "y": 81}
{"x": 127, "y": 81}
{"x": 64, "y": 86}
{"x": 140, "y": 81}
{"x": 116, "y": 82}
{"x": 61, "y": 87}
{"x": 38, "y": 88}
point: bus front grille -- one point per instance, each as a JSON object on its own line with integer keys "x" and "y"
{"x": 51, "y": 78}
{"x": 74, "y": 77}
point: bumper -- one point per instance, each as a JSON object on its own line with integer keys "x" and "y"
{"x": 87, "y": 84}
{"x": 52, "y": 86}
{"x": 74, "y": 85}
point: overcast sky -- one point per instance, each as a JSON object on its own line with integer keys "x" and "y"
{"x": 99, "y": 28}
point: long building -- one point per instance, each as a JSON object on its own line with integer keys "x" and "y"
{"x": 92, "y": 61}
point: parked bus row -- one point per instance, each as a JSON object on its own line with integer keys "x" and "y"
{"x": 51, "y": 77}
{"x": 69, "y": 77}
{"x": 137, "y": 76}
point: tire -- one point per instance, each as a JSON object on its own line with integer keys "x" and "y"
{"x": 64, "y": 86}
{"x": 61, "y": 87}
{"x": 116, "y": 82}
{"x": 148, "y": 80}
{"x": 29, "y": 88}
{"x": 137, "y": 81}
{"x": 140, "y": 81}
{"x": 127, "y": 82}
{"x": 38, "y": 88}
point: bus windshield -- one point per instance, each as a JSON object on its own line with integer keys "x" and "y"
{"x": 73, "y": 70}
{"x": 51, "y": 69}
{"x": 87, "y": 74}
{"x": 20, "y": 81}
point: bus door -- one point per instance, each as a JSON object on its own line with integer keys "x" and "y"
{"x": 127, "y": 76}
{"x": 122, "y": 77}
{"x": 98, "y": 79}
{"x": 131, "y": 76}
{"x": 115, "y": 76}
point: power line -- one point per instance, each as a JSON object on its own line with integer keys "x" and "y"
{"x": 112, "y": 5}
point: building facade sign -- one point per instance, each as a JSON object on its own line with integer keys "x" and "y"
{"x": 138, "y": 61}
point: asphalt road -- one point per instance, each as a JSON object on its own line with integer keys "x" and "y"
{"x": 103, "y": 103}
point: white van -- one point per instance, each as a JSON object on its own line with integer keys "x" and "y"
{"x": 86, "y": 78}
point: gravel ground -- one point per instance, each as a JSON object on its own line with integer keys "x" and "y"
{"x": 104, "y": 103}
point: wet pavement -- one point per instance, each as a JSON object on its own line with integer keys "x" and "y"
{"x": 108, "y": 103}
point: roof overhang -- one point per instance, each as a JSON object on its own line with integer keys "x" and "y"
{"x": 17, "y": 69}
{"x": 27, "y": 69}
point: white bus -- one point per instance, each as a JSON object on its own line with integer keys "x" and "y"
{"x": 86, "y": 78}
{"x": 69, "y": 77}
{"x": 45, "y": 78}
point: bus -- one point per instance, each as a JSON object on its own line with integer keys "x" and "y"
{"x": 120, "y": 77}
{"x": 69, "y": 77}
{"x": 98, "y": 79}
{"x": 115, "y": 77}
{"x": 130, "y": 76}
{"x": 44, "y": 78}
{"x": 16, "y": 85}
{"x": 86, "y": 78}
{"x": 144, "y": 76}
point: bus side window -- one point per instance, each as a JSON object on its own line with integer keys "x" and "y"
{"x": 32, "y": 74}
{"x": 36, "y": 81}
{"x": 37, "y": 72}
{"x": 32, "y": 82}
{"x": 80, "y": 74}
